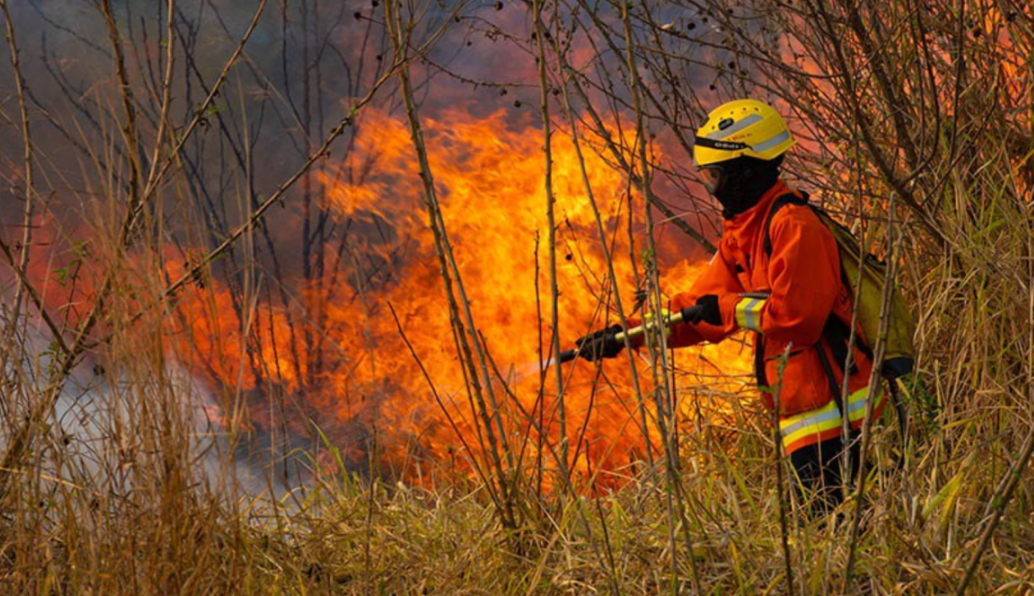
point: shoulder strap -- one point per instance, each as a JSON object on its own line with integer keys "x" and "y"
{"x": 779, "y": 202}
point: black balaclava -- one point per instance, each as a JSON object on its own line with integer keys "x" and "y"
{"x": 744, "y": 180}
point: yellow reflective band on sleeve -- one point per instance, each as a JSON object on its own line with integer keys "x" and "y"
{"x": 748, "y": 313}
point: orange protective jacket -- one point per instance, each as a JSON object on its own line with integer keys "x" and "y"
{"x": 803, "y": 278}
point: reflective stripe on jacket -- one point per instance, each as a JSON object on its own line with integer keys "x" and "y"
{"x": 804, "y": 287}
{"x": 808, "y": 428}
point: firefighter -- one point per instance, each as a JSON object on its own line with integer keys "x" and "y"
{"x": 805, "y": 318}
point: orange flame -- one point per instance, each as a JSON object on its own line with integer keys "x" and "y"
{"x": 489, "y": 175}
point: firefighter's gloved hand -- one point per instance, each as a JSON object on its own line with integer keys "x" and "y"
{"x": 600, "y": 344}
{"x": 707, "y": 311}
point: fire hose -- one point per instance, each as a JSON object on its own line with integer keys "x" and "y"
{"x": 686, "y": 314}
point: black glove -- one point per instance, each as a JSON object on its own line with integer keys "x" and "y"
{"x": 601, "y": 344}
{"x": 706, "y": 311}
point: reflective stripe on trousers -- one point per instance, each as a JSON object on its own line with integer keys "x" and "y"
{"x": 825, "y": 422}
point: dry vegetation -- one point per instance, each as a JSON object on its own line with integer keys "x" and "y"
{"x": 159, "y": 152}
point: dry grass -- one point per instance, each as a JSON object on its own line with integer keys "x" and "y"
{"x": 140, "y": 510}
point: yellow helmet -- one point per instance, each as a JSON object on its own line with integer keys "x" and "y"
{"x": 742, "y": 127}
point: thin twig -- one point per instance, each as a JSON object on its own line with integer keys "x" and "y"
{"x": 663, "y": 391}
{"x": 996, "y": 508}
{"x": 554, "y": 291}
{"x": 27, "y": 165}
{"x": 873, "y": 392}
{"x": 777, "y": 437}
{"x": 459, "y": 304}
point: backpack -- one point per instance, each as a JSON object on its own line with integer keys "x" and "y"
{"x": 871, "y": 273}
{"x": 899, "y": 356}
